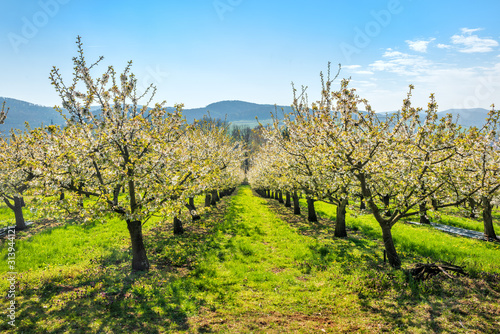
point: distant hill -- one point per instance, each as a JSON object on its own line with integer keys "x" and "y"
{"x": 468, "y": 117}
{"x": 35, "y": 114}
{"x": 236, "y": 112}
{"x": 465, "y": 117}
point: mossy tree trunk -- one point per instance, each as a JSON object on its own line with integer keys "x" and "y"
{"x": 392, "y": 254}
{"x": 296, "y": 203}
{"x": 489, "y": 230}
{"x": 192, "y": 209}
{"x": 385, "y": 224}
{"x": 215, "y": 198}
{"x": 386, "y": 200}
{"x": 139, "y": 257}
{"x": 472, "y": 208}
{"x": 423, "y": 214}
{"x": 340, "y": 228}
{"x": 362, "y": 204}
{"x": 288, "y": 203}
{"x": 311, "y": 211}
{"x": 178, "y": 228}
{"x": 17, "y": 207}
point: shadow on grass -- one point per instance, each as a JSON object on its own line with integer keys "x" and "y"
{"x": 354, "y": 248}
{"x": 438, "y": 305}
{"x": 106, "y": 297}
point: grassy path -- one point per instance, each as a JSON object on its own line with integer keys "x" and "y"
{"x": 274, "y": 277}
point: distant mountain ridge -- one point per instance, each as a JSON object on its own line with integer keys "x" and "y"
{"x": 236, "y": 112}
{"x": 22, "y": 111}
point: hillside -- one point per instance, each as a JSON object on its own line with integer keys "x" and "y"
{"x": 22, "y": 111}
{"x": 236, "y": 112}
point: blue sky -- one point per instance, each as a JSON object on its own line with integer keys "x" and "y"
{"x": 201, "y": 51}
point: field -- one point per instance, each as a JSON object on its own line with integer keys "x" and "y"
{"x": 250, "y": 265}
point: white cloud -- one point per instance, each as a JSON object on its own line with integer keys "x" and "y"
{"x": 444, "y": 46}
{"x": 392, "y": 54}
{"x": 364, "y": 83}
{"x": 365, "y": 72}
{"x": 356, "y": 69}
{"x": 473, "y": 43}
{"x": 351, "y": 67}
{"x": 401, "y": 63}
{"x": 470, "y": 31}
{"x": 419, "y": 45}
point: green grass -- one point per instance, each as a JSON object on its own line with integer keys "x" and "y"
{"x": 416, "y": 243}
{"x": 455, "y": 217}
{"x": 67, "y": 245}
{"x": 248, "y": 266}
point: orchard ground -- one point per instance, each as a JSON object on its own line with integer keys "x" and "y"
{"x": 249, "y": 265}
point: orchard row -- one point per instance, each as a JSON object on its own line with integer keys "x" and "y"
{"x": 339, "y": 150}
{"x": 133, "y": 161}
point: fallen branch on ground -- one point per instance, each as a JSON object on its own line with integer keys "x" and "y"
{"x": 423, "y": 271}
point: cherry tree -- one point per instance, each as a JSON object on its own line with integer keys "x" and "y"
{"x": 118, "y": 147}
{"x": 481, "y": 183}
{"x": 17, "y": 170}
{"x": 215, "y": 160}
{"x": 409, "y": 156}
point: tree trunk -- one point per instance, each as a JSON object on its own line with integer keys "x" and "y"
{"x": 489, "y": 231}
{"x": 80, "y": 201}
{"x": 362, "y": 204}
{"x": 288, "y": 203}
{"x": 472, "y": 207}
{"x": 208, "y": 200}
{"x": 276, "y": 197}
{"x": 18, "y": 212}
{"x": 192, "y": 209}
{"x": 311, "y": 212}
{"x": 435, "y": 204}
{"x": 390, "y": 249}
{"x": 280, "y": 197}
{"x": 340, "y": 230}
{"x": 386, "y": 200}
{"x": 139, "y": 257}
{"x": 423, "y": 214}
{"x": 61, "y": 195}
{"x": 296, "y": 203}
{"x": 178, "y": 229}
{"x": 215, "y": 198}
